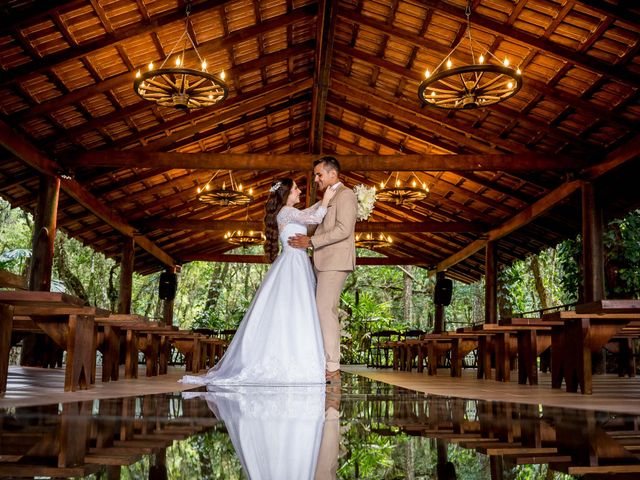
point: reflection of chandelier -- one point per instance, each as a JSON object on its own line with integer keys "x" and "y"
{"x": 243, "y": 238}
{"x": 181, "y": 87}
{"x": 368, "y": 240}
{"x": 402, "y": 192}
{"x": 231, "y": 196}
{"x": 476, "y": 85}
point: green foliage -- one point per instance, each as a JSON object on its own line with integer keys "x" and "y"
{"x": 363, "y": 314}
{"x": 570, "y": 276}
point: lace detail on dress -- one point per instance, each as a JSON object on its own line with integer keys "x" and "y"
{"x": 309, "y": 216}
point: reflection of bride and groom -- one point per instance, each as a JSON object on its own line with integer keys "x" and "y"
{"x": 290, "y": 335}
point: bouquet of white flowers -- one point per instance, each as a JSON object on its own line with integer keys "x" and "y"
{"x": 366, "y": 197}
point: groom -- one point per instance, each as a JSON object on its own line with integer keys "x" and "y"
{"x": 334, "y": 256}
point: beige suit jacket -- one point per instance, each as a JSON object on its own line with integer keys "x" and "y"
{"x": 333, "y": 242}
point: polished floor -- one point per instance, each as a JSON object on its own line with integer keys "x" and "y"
{"x": 362, "y": 428}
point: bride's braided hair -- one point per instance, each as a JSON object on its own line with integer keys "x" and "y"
{"x": 278, "y": 195}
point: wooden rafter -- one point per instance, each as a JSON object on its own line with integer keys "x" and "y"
{"x": 425, "y": 162}
{"x": 22, "y": 149}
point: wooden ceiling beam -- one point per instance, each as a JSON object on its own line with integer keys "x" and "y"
{"x": 527, "y": 40}
{"x": 373, "y": 227}
{"x": 120, "y": 114}
{"x": 457, "y": 131}
{"x": 325, "y": 34}
{"x": 250, "y": 105}
{"x": 13, "y": 18}
{"x": 30, "y": 155}
{"x": 370, "y": 115}
{"x": 419, "y": 162}
{"x": 616, "y": 12}
{"x": 236, "y": 258}
{"x": 206, "y": 48}
{"x": 519, "y": 220}
{"x": 534, "y": 87}
{"x": 75, "y": 52}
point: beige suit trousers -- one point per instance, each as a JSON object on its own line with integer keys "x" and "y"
{"x": 328, "y": 291}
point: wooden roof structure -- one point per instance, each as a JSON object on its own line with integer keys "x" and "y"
{"x": 311, "y": 77}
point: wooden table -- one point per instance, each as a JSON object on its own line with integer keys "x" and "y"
{"x": 62, "y": 317}
{"x": 586, "y": 330}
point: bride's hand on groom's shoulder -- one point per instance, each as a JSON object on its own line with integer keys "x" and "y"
{"x": 329, "y": 193}
{"x": 299, "y": 241}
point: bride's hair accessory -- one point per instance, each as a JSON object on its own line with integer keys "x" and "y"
{"x": 275, "y": 187}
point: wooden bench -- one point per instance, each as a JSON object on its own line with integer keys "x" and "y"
{"x": 62, "y": 317}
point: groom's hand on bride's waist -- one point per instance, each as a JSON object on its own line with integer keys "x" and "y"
{"x": 299, "y": 241}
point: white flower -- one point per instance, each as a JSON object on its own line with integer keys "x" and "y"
{"x": 366, "y": 197}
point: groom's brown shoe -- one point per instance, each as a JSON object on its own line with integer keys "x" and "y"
{"x": 332, "y": 377}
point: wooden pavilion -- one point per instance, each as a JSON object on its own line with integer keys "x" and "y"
{"x": 86, "y": 154}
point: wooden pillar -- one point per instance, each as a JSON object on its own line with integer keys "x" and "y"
{"x": 39, "y": 350}
{"x": 44, "y": 234}
{"x": 167, "y": 312}
{"x": 126, "y": 275}
{"x": 438, "y": 321}
{"x": 592, "y": 247}
{"x": 491, "y": 283}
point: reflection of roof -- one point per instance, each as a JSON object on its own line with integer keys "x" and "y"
{"x": 342, "y": 82}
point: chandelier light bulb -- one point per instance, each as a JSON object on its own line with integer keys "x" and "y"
{"x": 519, "y": 72}
{"x": 222, "y": 75}
{"x": 240, "y": 187}
{"x": 397, "y": 183}
{"x": 481, "y": 59}
{"x": 413, "y": 184}
{"x": 449, "y": 63}
{"x": 510, "y": 85}
{"x": 506, "y": 62}
{"x": 424, "y": 187}
{"x": 204, "y": 65}
{"x": 138, "y": 74}
{"x": 251, "y": 191}
{"x": 224, "y": 185}
{"x": 208, "y": 187}
{"x": 178, "y": 61}
{"x": 150, "y": 66}
{"x": 427, "y": 74}
{"x": 210, "y": 96}
{"x": 381, "y": 184}
{"x": 199, "y": 189}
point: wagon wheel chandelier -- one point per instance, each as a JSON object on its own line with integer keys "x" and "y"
{"x": 245, "y": 238}
{"x": 372, "y": 242}
{"x": 227, "y": 194}
{"x": 477, "y": 85}
{"x": 181, "y": 87}
{"x": 402, "y": 192}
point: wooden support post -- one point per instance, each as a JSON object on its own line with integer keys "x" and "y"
{"x": 36, "y": 346}
{"x": 167, "y": 312}
{"x": 491, "y": 283}
{"x": 126, "y": 275}
{"x": 438, "y": 321}
{"x": 44, "y": 234}
{"x": 592, "y": 248}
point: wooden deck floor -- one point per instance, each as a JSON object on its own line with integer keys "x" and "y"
{"x": 611, "y": 393}
{"x": 35, "y": 386}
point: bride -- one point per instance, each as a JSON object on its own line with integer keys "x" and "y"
{"x": 279, "y": 339}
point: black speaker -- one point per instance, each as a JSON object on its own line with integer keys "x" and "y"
{"x": 168, "y": 286}
{"x": 442, "y": 291}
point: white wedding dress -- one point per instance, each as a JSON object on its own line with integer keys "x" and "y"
{"x": 279, "y": 341}
{"x": 276, "y": 431}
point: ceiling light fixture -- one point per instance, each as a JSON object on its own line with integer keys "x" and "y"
{"x": 178, "y": 86}
{"x": 477, "y": 85}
